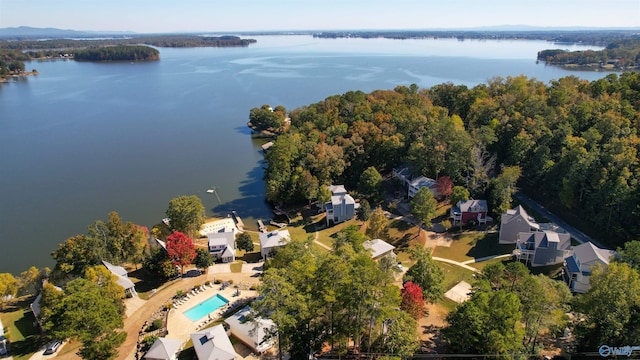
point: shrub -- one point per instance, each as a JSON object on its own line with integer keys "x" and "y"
{"x": 155, "y": 325}
{"x": 149, "y": 340}
{"x": 231, "y": 281}
{"x": 217, "y": 281}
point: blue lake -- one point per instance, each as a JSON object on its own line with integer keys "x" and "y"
{"x": 82, "y": 139}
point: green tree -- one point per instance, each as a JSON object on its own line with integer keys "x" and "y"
{"x": 401, "y": 338}
{"x": 8, "y": 287}
{"x": 502, "y": 189}
{"x": 186, "y": 214}
{"x": 370, "y": 184}
{"x": 611, "y": 307}
{"x": 458, "y": 193}
{"x": 487, "y": 323}
{"x": 424, "y": 207}
{"x": 378, "y": 224}
{"x": 158, "y": 261}
{"x": 30, "y": 281}
{"x": 203, "y": 259}
{"x": 364, "y": 212}
{"x": 426, "y": 274}
{"x": 89, "y": 312}
{"x": 244, "y": 242}
{"x": 75, "y": 255}
{"x": 631, "y": 254}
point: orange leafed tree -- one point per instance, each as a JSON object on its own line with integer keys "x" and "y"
{"x": 180, "y": 249}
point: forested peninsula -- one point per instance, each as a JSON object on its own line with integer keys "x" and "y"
{"x": 618, "y": 55}
{"x": 14, "y": 52}
{"x": 575, "y": 142}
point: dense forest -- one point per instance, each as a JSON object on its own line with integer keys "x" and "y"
{"x": 117, "y": 53}
{"x": 620, "y": 54}
{"x": 157, "y": 40}
{"x": 575, "y": 141}
{"x": 591, "y": 37}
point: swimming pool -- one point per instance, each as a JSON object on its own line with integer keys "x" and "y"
{"x": 204, "y": 308}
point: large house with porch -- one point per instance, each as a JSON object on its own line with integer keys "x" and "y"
{"x": 577, "y": 267}
{"x": 222, "y": 245}
{"x": 542, "y": 248}
{"x": 342, "y": 206}
{"x": 252, "y": 333}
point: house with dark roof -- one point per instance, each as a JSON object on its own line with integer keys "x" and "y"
{"x": 466, "y": 211}
{"x": 515, "y": 221}
{"x": 342, "y": 206}
{"x": 213, "y": 344}
{"x": 254, "y": 333}
{"x": 542, "y": 248}
{"x": 273, "y": 240}
{"x": 3, "y": 340}
{"x": 122, "y": 278}
{"x": 222, "y": 245}
{"x": 164, "y": 349}
{"x": 577, "y": 267}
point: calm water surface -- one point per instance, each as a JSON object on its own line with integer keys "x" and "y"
{"x": 82, "y": 139}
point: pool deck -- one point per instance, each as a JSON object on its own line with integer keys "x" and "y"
{"x": 180, "y": 326}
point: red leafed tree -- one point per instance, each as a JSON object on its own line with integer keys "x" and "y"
{"x": 180, "y": 249}
{"x": 445, "y": 186}
{"x": 412, "y": 301}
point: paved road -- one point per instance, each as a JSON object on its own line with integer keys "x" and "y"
{"x": 575, "y": 233}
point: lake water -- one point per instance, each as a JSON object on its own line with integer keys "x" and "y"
{"x": 82, "y": 139}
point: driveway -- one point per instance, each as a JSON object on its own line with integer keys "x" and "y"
{"x": 575, "y": 233}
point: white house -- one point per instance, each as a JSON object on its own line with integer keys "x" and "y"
{"x": 213, "y": 344}
{"x": 542, "y": 248}
{"x": 273, "y": 240}
{"x": 222, "y": 245}
{"x": 418, "y": 183}
{"x": 342, "y": 206}
{"x": 164, "y": 349}
{"x": 251, "y": 333}
{"x": 577, "y": 267}
{"x": 122, "y": 278}
{"x": 378, "y": 248}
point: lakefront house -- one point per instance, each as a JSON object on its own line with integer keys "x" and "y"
{"x": 342, "y": 206}
{"x": 273, "y": 240}
{"x": 542, "y": 248}
{"x": 222, "y": 245}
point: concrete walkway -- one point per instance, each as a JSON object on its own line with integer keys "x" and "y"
{"x": 486, "y": 258}
{"x": 457, "y": 263}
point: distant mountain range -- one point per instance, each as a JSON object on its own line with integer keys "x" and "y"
{"x": 31, "y": 32}
{"x": 26, "y": 32}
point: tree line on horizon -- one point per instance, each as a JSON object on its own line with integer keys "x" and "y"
{"x": 574, "y": 142}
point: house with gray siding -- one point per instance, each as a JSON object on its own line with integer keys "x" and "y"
{"x": 342, "y": 206}
{"x": 542, "y": 248}
{"x": 577, "y": 267}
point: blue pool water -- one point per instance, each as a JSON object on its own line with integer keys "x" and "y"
{"x": 204, "y": 308}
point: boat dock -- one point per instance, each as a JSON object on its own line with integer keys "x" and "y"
{"x": 278, "y": 224}
{"x": 238, "y": 221}
{"x": 261, "y": 226}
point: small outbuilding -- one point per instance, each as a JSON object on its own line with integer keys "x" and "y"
{"x": 164, "y": 349}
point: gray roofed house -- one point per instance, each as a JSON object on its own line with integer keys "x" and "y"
{"x": 222, "y": 245}
{"x": 213, "y": 344}
{"x": 465, "y": 211}
{"x": 542, "y": 248}
{"x": 403, "y": 174}
{"x": 164, "y": 349}
{"x": 342, "y": 206}
{"x": 578, "y": 266}
{"x": 122, "y": 278}
{"x": 273, "y": 240}
{"x": 251, "y": 333}
{"x": 418, "y": 183}
{"x": 513, "y": 222}
{"x": 378, "y": 248}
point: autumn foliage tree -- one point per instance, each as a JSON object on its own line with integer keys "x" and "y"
{"x": 412, "y": 300}
{"x": 180, "y": 249}
{"x": 445, "y": 186}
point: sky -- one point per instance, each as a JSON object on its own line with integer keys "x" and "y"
{"x": 149, "y": 16}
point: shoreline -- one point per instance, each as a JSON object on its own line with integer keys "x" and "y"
{"x": 6, "y": 78}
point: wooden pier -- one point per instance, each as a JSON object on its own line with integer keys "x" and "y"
{"x": 261, "y": 226}
{"x": 236, "y": 218}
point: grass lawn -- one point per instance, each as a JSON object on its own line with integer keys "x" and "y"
{"x": 482, "y": 264}
{"x": 453, "y": 274}
{"x": 236, "y": 266}
{"x": 24, "y": 337}
{"x": 475, "y": 245}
